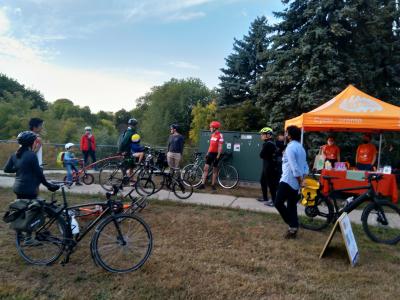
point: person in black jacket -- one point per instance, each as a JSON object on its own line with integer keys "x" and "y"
{"x": 29, "y": 175}
{"x": 269, "y": 175}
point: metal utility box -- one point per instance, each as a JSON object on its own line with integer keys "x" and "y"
{"x": 245, "y": 147}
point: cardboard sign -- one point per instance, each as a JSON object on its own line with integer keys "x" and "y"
{"x": 344, "y": 226}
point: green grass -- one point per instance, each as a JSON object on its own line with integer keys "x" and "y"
{"x": 210, "y": 253}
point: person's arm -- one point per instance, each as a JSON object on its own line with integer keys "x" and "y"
{"x": 37, "y": 144}
{"x": 181, "y": 144}
{"x": 169, "y": 142}
{"x": 375, "y": 155}
{"x": 82, "y": 141}
{"x": 220, "y": 145}
{"x": 263, "y": 153}
{"x": 294, "y": 165}
{"x": 10, "y": 166}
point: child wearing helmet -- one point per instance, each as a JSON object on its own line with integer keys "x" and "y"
{"x": 70, "y": 163}
{"x": 137, "y": 150}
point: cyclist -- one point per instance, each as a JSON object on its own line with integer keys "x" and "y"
{"x": 36, "y": 126}
{"x": 126, "y": 138}
{"x": 175, "y": 147}
{"x": 69, "y": 163}
{"x": 269, "y": 176}
{"x": 25, "y": 164}
{"x": 213, "y": 154}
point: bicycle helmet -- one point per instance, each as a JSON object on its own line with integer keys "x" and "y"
{"x": 215, "y": 124}
{"x": 174, "y": 126}
{"x": 267, "y": 130}
{"x": 68, "y": 146}
{"x": 88, "y": 128}
{"x": 26, "y": 138}
{"x": 135, "y": 138}
{"x": 132, "y": 122}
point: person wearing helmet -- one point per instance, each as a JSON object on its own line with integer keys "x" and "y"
{"x": 36, "y": 126}
{"x": 88, "y": 145}
{"x": 70, "y": 162}
{"x": 29, "y": 174}
{"x": 137, "y": 150}
{"x": 174, "y": 147}
{"x": 269, "y": 175}
{"x": 124, "y": 145}
{"x": 213, "y": 154}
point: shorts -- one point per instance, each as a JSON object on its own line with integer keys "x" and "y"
{"x": 212, "y": 160}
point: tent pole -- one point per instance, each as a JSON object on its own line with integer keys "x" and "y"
{"x": 302, "y": 135}
{"x": 380, "y": 148}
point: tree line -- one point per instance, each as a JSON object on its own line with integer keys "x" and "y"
{"x": 275, "y": 72}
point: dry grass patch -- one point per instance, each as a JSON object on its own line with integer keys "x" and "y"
{"x": 214, "y": 253}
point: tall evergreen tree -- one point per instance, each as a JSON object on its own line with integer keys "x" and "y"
{"x": 245, "y": 64}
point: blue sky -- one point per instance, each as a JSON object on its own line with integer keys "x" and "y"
{"x": 107, "y": 53}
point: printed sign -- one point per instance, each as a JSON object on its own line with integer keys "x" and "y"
{"x": 348, "y": 237}
{"x": 236, "y": 147}
{"x": 246, "y": 137}
{"x": 228, "y": 146}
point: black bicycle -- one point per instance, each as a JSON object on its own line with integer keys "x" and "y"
{"x": 380, "y": 218}
{"x": 121, "y": 242}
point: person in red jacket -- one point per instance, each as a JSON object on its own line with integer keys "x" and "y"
{"x": 88, "y": 145}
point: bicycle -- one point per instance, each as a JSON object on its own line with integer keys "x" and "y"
{"x": 87, "y": 178}
{"x": 121, "y": 243}
{"x": 152, "y": 176}
{"x": 227, "y": 177}
{"x": 380, "y": 218}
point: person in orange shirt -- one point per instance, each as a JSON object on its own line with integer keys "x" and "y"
{"x": 366, "y": 154}
{"x": 331, "y": 151}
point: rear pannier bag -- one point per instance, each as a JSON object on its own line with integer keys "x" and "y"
{"x": 25, "y": 215}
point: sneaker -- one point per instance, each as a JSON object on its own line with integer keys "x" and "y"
{"x": 201, "y": 187}
{"x": 269, "y": 203}
{"x": 291, "y": 234}
{"x": 261, "y": 199}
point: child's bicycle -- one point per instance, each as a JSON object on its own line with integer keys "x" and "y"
{"x": 82, "y": 175}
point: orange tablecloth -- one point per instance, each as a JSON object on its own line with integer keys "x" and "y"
{"x": 387, "y": 186}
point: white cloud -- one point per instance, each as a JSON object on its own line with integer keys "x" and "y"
{"x": 183, "y": 65}
{"x": 98, "y": 89}
{"x": 185, "y": 16}
{"x": 4, "y": 22}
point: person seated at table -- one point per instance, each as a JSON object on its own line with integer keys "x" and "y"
{"x": 366, "y": 154}
{"x": 331, "y": 151}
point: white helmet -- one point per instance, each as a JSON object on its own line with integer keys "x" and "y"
{"x": 69, "y": 145}
{"x": 88, "y": 128}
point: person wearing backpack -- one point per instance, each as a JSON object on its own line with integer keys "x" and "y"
{"x": 269, "y": 176}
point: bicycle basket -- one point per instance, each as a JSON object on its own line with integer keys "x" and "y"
{"x": 25, "y": 215}
{"x": 309, "y": 192}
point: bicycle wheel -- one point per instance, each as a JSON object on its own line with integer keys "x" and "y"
{"x": 122, "y": 243}
{"x": 109, "y": 175}
{"x": 191, "y": 175}
{"x": 145, "y": 186}
{"x": 228, "y": 176}
{"x": 88, "y": 179}
{"x": 44, "y": 245}
{"x": 153, "y": 174}
{"x": 381, "y": 222}
{"x": 317, "y": 216}
{"x": 181, "y": 190}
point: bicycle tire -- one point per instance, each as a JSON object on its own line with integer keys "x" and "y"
{"x": 181, "y": 190}
{"x": 111, "y": 174}
{"x": 88, "y": 179}
{"x": 155, "y": 175}
{"x": 228, "y": 176}
{"x": 145, "y": 186}
{"x": 51, "y": 238}
{"x": 385, "y": 212}
{"x": 318, "y": 216}
{"x": 192, "y": 174}
{"x": 107, "y": 236}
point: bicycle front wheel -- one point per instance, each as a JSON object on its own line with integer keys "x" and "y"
{"x": 109, "y": 175}
{"x": 381, "y": 222}
{"x": 191, "y": 175}
{"x": 317, "y": 216}
{"x": 181, "y": 190}
{"x": 228, "y": 176}
{"x": 44, "y": 245}
{"x": 122, "y": 243}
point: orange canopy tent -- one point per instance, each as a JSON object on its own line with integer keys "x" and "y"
{"x": 351, "y": 110}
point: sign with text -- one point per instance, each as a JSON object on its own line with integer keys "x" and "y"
{"x": 344, "y": 226}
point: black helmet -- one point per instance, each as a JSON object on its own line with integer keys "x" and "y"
{"x": 132, "y": 122}
{"x": 174, "y": 126}
{"x": 26, "y": 138}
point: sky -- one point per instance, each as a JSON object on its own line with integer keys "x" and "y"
{"x": 107, "y": 53}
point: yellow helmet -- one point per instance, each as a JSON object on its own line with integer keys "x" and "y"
{"x": 135, "y": 138}
{"x": 267, "y": 130}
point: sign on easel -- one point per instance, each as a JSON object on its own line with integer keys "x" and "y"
{"x": 344, "y": 226}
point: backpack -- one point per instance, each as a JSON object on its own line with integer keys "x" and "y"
{"x": 25, "y": 215}
{"x": 60, "y": 159}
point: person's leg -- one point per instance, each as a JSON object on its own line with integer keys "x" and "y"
{"x": 272, "y": 183}
{"x": 170, "y": 160}
{"x": 292, "y": 208}
{"x": 281, "y": 197}
{"x": 68, "y": 166}
{"x": 93, "y": 156}
{"x": 85, "y": 156}
{"x": 264, "y": 186}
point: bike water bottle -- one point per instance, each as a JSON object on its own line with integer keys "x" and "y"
{"x": 74, "y": 224}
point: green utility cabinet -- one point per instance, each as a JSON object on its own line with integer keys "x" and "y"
{"x": 245, "y": 147}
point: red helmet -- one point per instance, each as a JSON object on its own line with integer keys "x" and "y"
{"x": 215, "y": 124}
